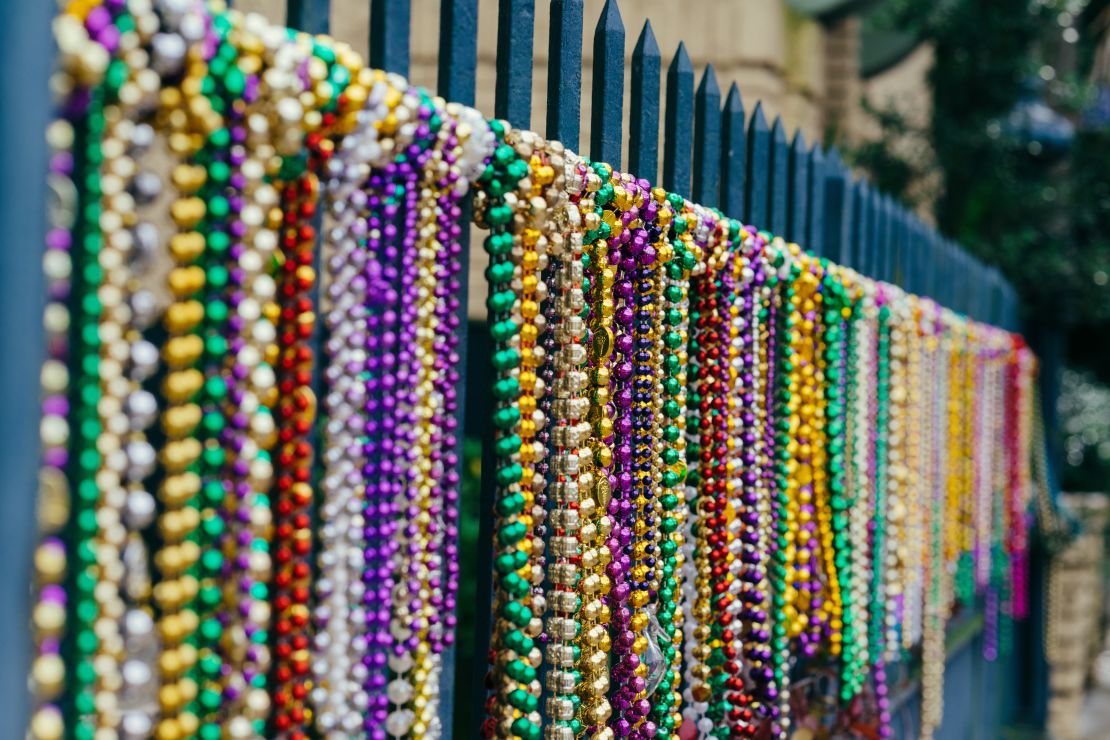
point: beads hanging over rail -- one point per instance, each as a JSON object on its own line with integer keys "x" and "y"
{"x": 719, "y": 462}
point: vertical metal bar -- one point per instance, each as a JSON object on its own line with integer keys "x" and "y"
{"x": 879, "y": 265}
{"x": 643, "y": 124}
{"x": 779, "y": 172}
{"x": 456, "y": 80}
{"x": 390, "y": 26}
{"x": 759, "y": 169}
{"x": 513, "y": 91}
{"x": 707, "y": 140}
{"x": 815, "y": 216}
{"x": 913, "y": 275}
{"x": 458, "y": 50}
{"x": 908, "y": 254}
{"x": 677, "y": 134}
{"x": 898, "y": 245}
{"x": 937, "y": 264}
{"x": 952, "y": 274}
{"x": 606, "y": 129}
{"x": 734, "y": 155}
{"x": 870, "y": 258}
{"x": 27, "y": 48}
{"x": 797, "y": 192}
{"x": 838, "y": 210}
{"x": 882, "y": 266}
{"x": 310, "y": 16}
{"x": 564, "y": 72}
{"x": 893, "y": 243}
{"x": 860, "y": 234}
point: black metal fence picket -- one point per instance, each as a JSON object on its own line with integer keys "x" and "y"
{"x": 750, "y": 169}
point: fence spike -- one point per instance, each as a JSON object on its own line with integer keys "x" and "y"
{"x": 891, "y": 239}
{"x": 815, "y": 215}
{"x": 564, "y": 72}
{"x": 678, "y": 139}
{"x": 860, "y": 233}
{"x": 838, "y": 212}
{"x": 734, "y": 155}
{"x": 513, "y": 98}
{"x": 707, "y": 139}
{"x": 310, "y": 16}
{"x": 797, "y": 191}
{"x": 759, "y": 169}
{"x": 779, "y": 176}
{"x": 643, "y": 124}
{"x": 608, "y": 86}
{"x": 873, "y": 249}
{"x": 390, "y": 26}
{"x": 458, "y": 50}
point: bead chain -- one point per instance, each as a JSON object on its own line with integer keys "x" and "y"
{"x": 594, "y": 489}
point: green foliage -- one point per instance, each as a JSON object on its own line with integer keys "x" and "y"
{"x": 1043, "y": 219}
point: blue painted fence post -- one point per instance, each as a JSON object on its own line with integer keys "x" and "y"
{"x": 759, "y": 170}
{"x": 734, "y": 156}
{"x": 815, "y": 216}
{"x": 608, "y": 87}
{"x": 643, "y": 124}
{"x": 390, "y": 26}
{"x": 837, "y": 210}
{"x": 564, "y": 72}
{"x": 707, "y": 140}
{"x": 678, "y": 138}
{"x": 778, "y": 179}
{"x": 797, "y": 192}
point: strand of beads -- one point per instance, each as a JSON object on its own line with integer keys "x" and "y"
{"x": 786, "y": 511}
{"x": 740, "y": 596}
{"x": 258, "y": 135}
{"x": 880, "y": 544}
{"x": 296, "y": 408}
{"x": 861, "y": 392}
{"x": 612, "y": 205}
{"x": 594, "y": 491}
{"x": 965, "y": 565}
{"x": 48, "y": 618}
{"x": 760, "y": 645}
{"x": 573, "y": 505}
{"x": 831, "y": 609}
{"x": 1022, "y": 395}
{"x": 917, "y": 477}
{"x": 709, "y": 497}
{"x": 407, "y": 435}
{"x": 837, "y": 312}
{"x": 81, "y": 65}
{"x": 932, "y": 649}
{"x": 220, "y": 627}
{"x": 80, "y": 641}
{"x": 353, "y": 362}
{"x": 646, "y": 413}
{"x": 982, "y": 490}
{"x": 802, "y": 598}
{"x": 514, "y": 657}
{"x": 124, "y": 662}
{"x": 701, "y": 372}
{"x": 666, "y": 714}
{"x": 181, "y": 492}
{"x": 895, "y": 478}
